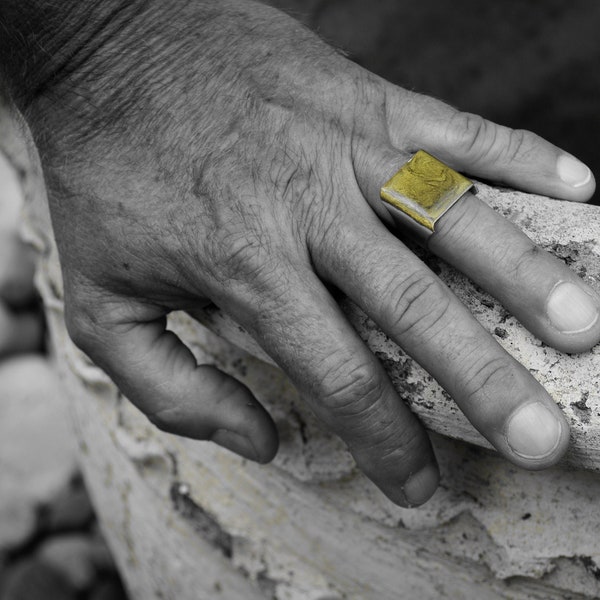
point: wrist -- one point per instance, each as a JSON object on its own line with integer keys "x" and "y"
{"x": 45, "y": 42}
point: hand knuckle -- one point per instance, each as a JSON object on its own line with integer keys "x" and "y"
{"x": 484, "y": 375}
{"x": 166, "y": 419}
{"x": 526, "y": 263}
{"x": 294, "y": 179}
{"x": 312, "y": 202}
{"x": 468, "y": 133}
{"x": 403, "y": 446}
{"x": 239, "y": 254}
{"x": 478, "y": 139}
{"x": 350, "y": 388}
{"x": 520, "y": 142}
{"x": 417, "y": 304}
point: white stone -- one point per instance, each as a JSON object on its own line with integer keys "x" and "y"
{"x": 72, "y": 555}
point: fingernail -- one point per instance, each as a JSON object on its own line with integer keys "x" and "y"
{"x": 421, "y": 485}
{"x": 235, "y": 442}
{"x": 572, "y": 171}
{"x": 533, "y": 431}
{"x": 571, "y": 309}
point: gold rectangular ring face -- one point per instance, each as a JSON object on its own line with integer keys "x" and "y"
{"x": 424, "y": 189}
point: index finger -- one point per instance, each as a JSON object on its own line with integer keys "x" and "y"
{"x": 472, "y": 144}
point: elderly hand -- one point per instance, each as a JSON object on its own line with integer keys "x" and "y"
{"x": 209, "y": 151}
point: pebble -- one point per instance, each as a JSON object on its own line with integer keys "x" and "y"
{"x": 32, "y": 579}
{"x": 70, "y": 509}
{"x": 110, "y": 589}
{"x": 72, "y": 555}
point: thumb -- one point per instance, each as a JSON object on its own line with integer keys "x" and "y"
{"x": 159, "y": 374}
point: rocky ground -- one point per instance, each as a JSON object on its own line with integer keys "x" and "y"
{"x": 529, "y": 65}
{"x": 50, "y": 545}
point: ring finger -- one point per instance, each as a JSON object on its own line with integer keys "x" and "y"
{"x": 533, "y": 285}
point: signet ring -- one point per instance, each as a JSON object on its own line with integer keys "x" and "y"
{"x": 422, "y": 191}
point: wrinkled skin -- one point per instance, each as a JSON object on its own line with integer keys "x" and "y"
{"x": 219, "y": 152}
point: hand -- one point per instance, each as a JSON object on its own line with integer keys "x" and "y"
{"x": 219, "y": 152}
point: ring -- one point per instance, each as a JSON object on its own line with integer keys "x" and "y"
{"x": 422, "y": 191}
